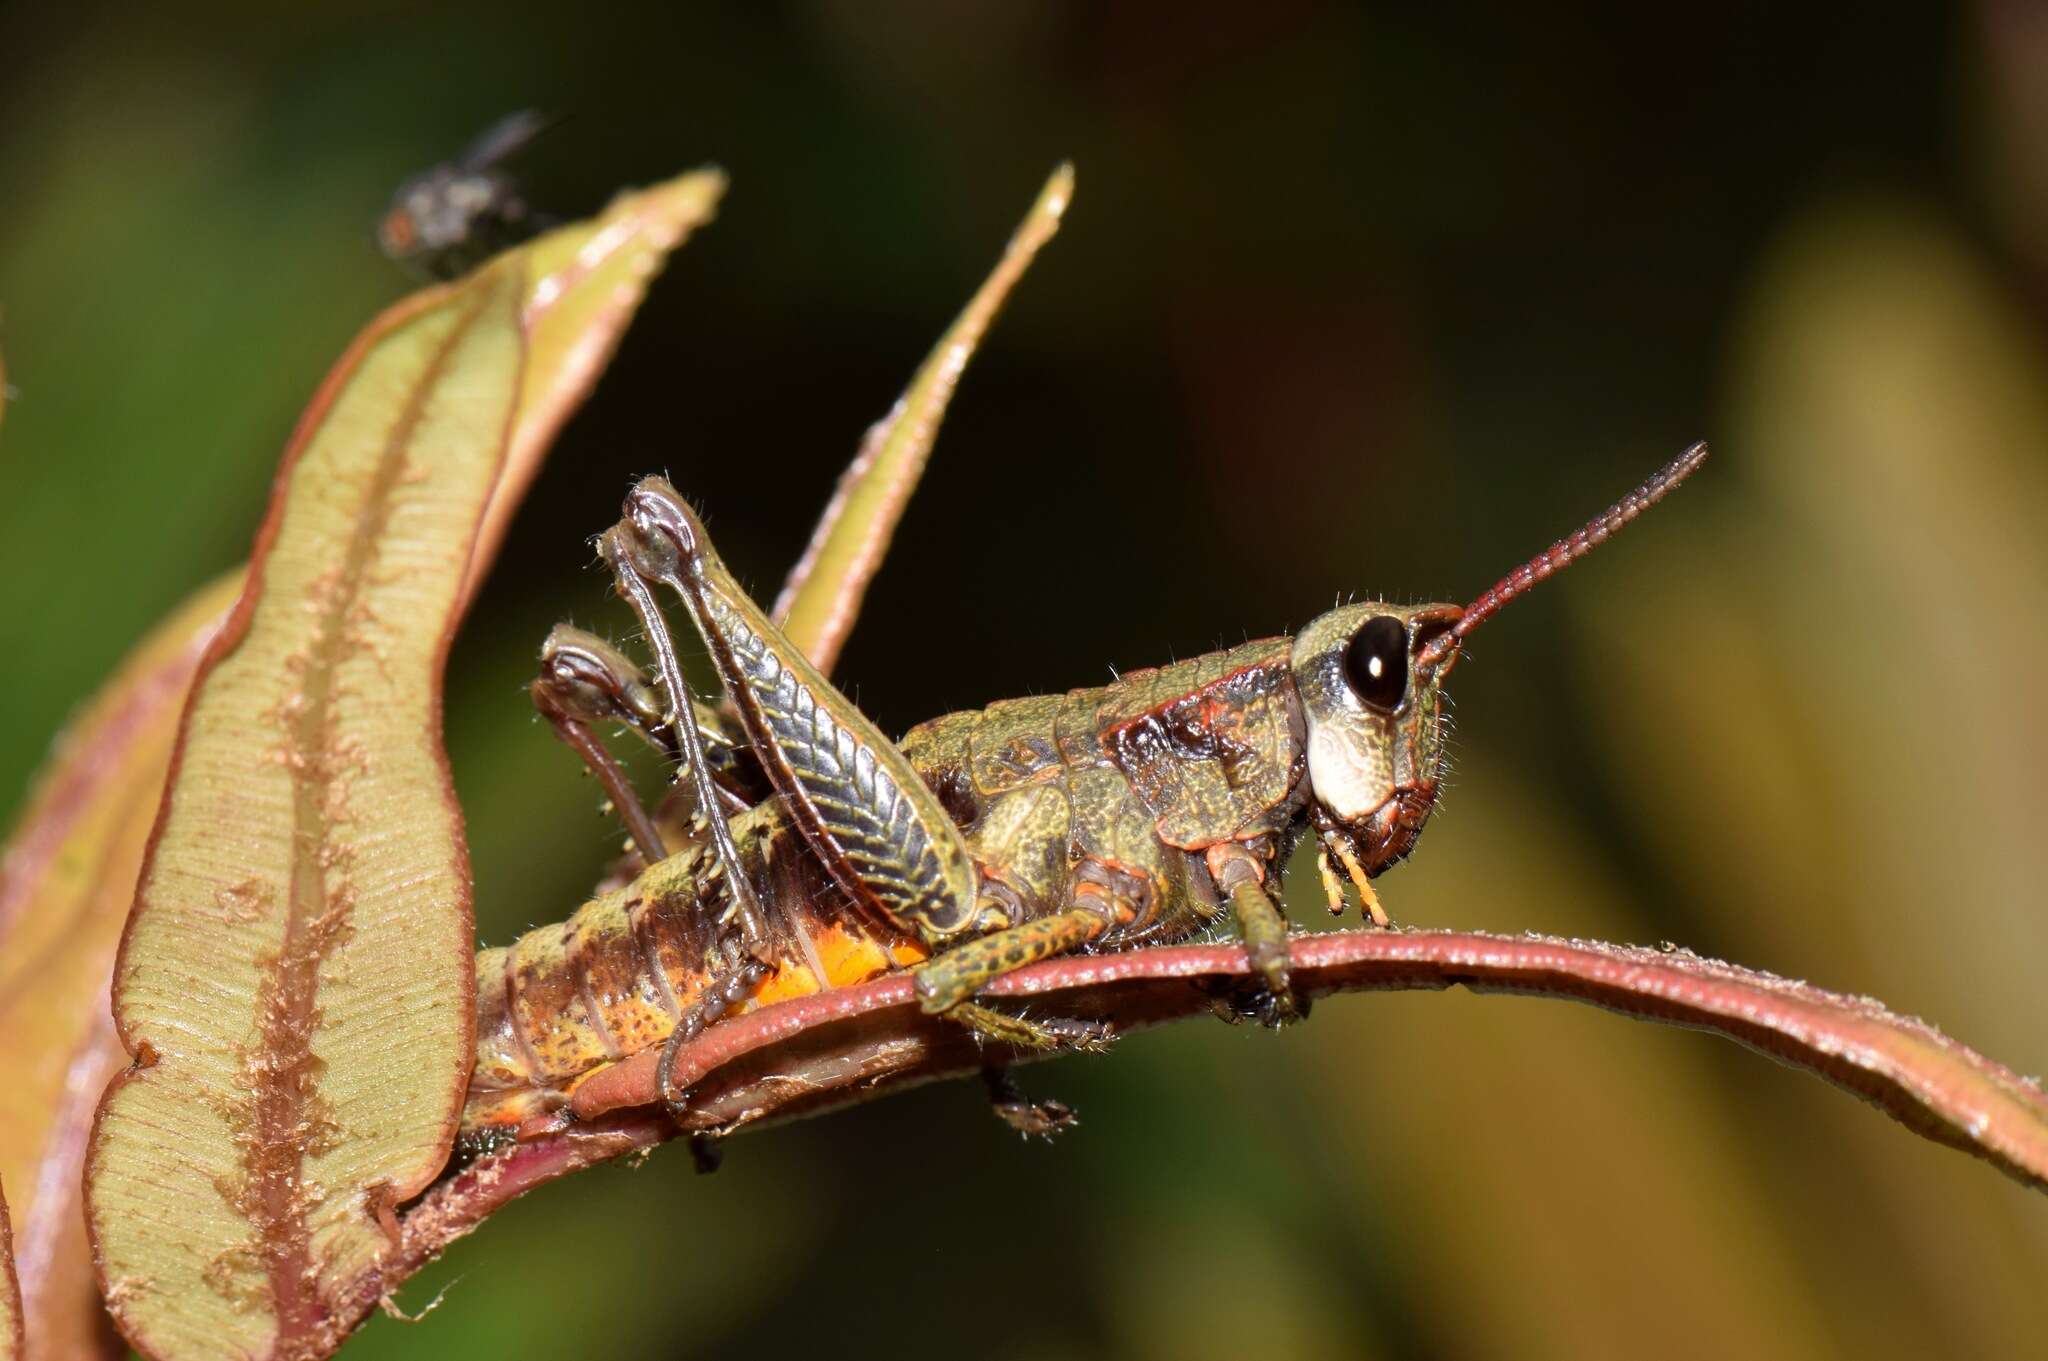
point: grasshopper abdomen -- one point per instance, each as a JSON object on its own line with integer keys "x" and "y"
{"x": 630, "y": 966}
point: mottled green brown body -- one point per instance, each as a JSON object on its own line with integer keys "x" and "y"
{"x": 1139, "y": 778}
{"x": 1126, "y": 788}
{"x": 986, "y": 840}
{"x": 1206, "y": 757}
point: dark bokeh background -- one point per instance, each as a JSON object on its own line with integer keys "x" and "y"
{"x": 1349, "y": 302}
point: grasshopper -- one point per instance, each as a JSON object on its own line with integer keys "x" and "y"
{"x": 800, "y": 848}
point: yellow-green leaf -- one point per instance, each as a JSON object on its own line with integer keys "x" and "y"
{"x": 292, "y": 981}
{"x": 823, "y": 594}
{"x": 295, "y": 983}
{"x": 65, "y": 886}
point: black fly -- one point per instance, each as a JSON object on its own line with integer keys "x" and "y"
{"x": 448, "y": 218}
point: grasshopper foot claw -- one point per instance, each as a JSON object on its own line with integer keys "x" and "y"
{"x": 1032, "y": 1119}
{"x": 707, "y": 1151}
{"x": 1280, "y": 1005}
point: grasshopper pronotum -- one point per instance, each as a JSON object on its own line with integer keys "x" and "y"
{"x": 804, "y": 850}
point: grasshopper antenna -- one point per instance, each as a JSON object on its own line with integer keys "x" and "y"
{"x": 1562, "y": 554}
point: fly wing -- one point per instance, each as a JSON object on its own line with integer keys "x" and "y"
{"x": 504, "y": 139}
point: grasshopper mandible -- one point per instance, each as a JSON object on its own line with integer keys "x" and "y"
{"x": 810, "y": 851}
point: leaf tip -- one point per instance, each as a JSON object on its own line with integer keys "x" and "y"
{"x": 1058, "y": 191}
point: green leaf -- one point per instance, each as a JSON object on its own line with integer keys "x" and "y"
{"x": 295, "y": 984}
{"x": 822, "y": 597}
{"x": 292, "y": 983}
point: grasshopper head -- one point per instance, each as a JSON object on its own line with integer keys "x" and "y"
{"x": 1370, "y": 678}
{"x": 1370, "y": 682}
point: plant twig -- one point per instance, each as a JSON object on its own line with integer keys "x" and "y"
{"x": 814, "y": 1054}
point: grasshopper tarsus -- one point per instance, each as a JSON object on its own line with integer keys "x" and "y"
{"x": 1042, "y": 1118}
{"x": 1041, "y": 1036}
{"x": 707, "y": 1153}
{"x": 1279, "y": 1008}
{"x": 725, "y": 992}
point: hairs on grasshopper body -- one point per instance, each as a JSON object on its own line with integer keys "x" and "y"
{"x": 803, "y": 850}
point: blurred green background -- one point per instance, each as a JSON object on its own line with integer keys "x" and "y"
{"x": 1410, "y": 297}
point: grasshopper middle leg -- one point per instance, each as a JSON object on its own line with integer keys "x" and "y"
{"x": 584, "y": 682}
{"x": 1241, "y": 874}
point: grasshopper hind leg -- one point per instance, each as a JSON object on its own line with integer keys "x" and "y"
{"x": 872, "y": 822}
{"x": 680, "y": 720}
{"x": 731, "y": 988}
{"x": 746, "y": 968}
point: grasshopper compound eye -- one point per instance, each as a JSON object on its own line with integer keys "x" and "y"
{"x": 1376, "y": 663}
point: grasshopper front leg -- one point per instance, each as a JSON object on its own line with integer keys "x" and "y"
{"x": 1242, "y": 875}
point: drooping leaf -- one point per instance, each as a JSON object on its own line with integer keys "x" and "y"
{"x": 823, "y": 594}
{"x": 65, "y": 888}
{"x": 295, "y": 982}
{"x": 290, "y": 984}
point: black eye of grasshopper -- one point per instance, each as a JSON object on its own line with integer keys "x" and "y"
{"x": 1376, "y": 662}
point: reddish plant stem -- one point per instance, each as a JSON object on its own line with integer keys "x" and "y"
{"x": 812, "y": 1054}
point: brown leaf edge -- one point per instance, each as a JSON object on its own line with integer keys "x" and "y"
{"x": 223, "y": 644}
{"x": 813, "y": 1054}
{"x": 586, "y": 282}
{"x": 12, "y": 1341}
